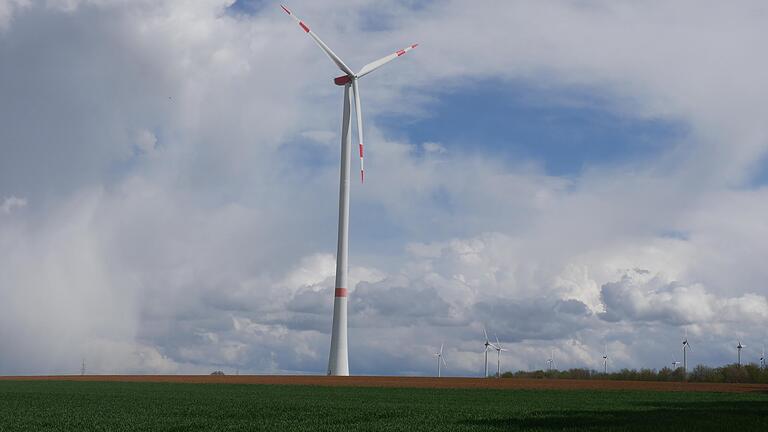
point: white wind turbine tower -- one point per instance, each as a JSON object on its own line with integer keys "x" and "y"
{"x": 686, "y": 347}
{"x": 605, "y": 360}
{"x": 440, "y": 360}
{"x": 488, "y": 346}
{"x": 739, "y": 347}
{"x": 762, "y": 358}
{"x": 338, "y": 363}
{"x": 499, "y": 349}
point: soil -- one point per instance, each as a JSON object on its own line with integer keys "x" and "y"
{"x": 414, "y": 382}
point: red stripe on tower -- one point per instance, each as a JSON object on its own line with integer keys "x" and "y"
{"x": 304, "y": 26}
{"x": 341, "y": 292}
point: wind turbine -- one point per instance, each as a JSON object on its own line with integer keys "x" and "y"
{"x": 488, "y": 346}
{"x": 675, "y": 364}
{"x": 686, "y": 347}
{"x": 739, "y": 347}
{"x": 440, "y": 359}
{"x": 762, "y": 358}
{"x": 605, "y": 360}
{"x": 338, "y": 362}
{"x": 551, "y": 361}
{"x": 499, "y": 349}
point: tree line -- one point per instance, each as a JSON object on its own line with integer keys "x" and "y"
{"x": 732, "y": 373}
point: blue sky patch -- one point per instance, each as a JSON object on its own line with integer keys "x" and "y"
{"x": 248, "y": 7}
{"x": 566, "y": 130}
{"x": 759, "y": 177}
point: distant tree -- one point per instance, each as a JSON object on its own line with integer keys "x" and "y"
{"x": 753, "y": 373}
{"x": 734, "y": 373}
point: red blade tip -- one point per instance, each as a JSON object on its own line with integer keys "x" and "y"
{"x": 285, "y": 9}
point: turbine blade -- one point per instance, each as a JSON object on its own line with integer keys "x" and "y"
{"x": 359, "y": 113}
{"x": 444, "y": 363}
{"x": 486, "y": 334}
{"x": 332, "y": 55}
{"x": 441, "y": 349}
{"x": 372, "y": 66}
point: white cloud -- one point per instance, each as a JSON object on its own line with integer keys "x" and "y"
{"x": 8, "y": 8}
{"x": 146, "y": 141}
{"x": 12, "y": 203}
{"x": 642, "y": 296}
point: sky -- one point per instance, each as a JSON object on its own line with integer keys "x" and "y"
{"x": 569, "y": 175}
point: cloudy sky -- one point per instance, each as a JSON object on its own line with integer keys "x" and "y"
{"x": 567, "y": 174}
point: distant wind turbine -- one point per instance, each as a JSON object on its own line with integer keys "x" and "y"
{"x": 675, "y": 363}
{"x": 762, "y": 358}
{"x": 499, "y": 349}
{"x": 440, "y": 360}
{"x": 551, "y": 361}
{"x": 338, "y": 362}
{"x": 605, "y": 360}
{"x": 739, "y": 347}
{"x": 488, "y": 346}
{"x": 686, "y": 347}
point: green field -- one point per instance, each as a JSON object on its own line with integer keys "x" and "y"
{"x": 102, "y": 406}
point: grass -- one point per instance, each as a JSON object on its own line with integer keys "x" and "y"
{"x": 104, "y": 406}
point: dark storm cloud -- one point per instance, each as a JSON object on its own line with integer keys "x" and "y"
{"x": 534, "y": 319}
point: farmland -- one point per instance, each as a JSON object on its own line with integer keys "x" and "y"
{"x": 84, "y": 405}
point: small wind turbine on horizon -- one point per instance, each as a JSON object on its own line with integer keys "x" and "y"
{"x": 440, "y": 360}
{"x": 739, "y": 347}
{"x": 675, "y": 363}
{"x": 762, "y": 358}
{"x": 488, "y": 346}
{"x": 338, "y": 362}
{"x": 605, "y": 360}
{"x": 551, "y": 361}
{"x": 686, "y": 347}
{"x": 499, "y": 349}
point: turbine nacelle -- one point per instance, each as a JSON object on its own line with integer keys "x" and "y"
{"x": 342, "y": 80}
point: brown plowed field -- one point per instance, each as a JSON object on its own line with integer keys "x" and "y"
{"x": 412, "y": 382}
